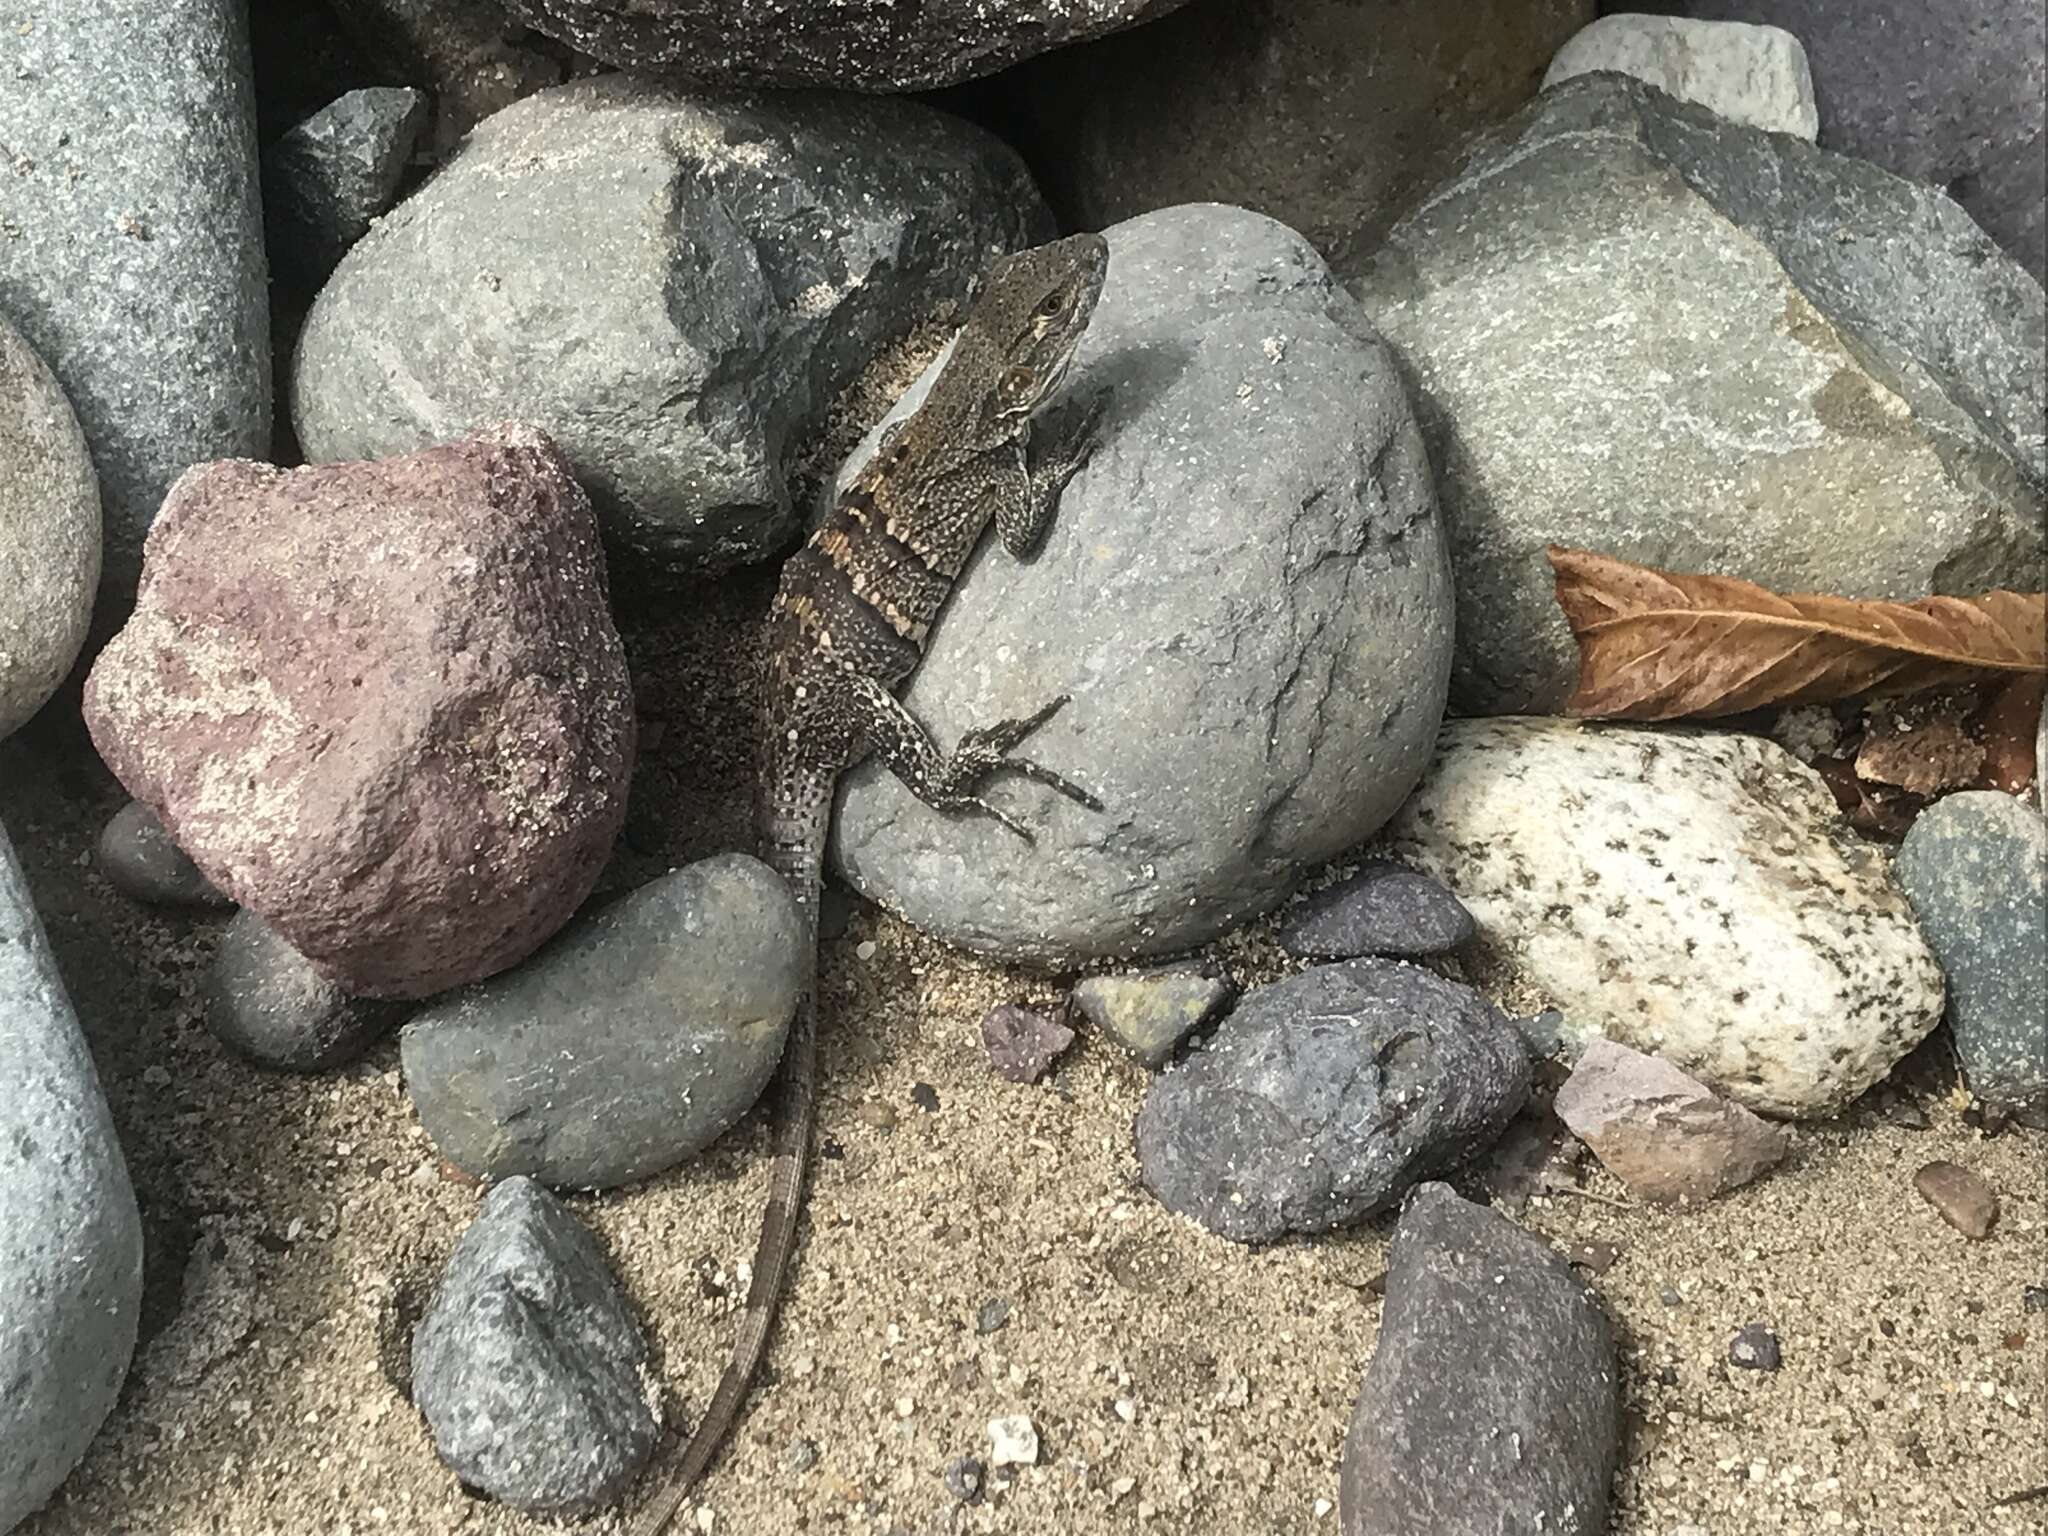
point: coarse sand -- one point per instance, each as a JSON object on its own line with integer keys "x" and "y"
{"x": 1179, "y": 1383}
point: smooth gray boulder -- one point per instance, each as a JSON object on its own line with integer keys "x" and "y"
{"x": 1493, "y": 1402}
{"x": 49, "y": 532}
{"x": 1324, "y": 1096}
{"x": 674, "y": 285}
{"x": 1246, "y": 592}
{"x": 131, "y": 242}
{"x": 1752, "y": 75}
{"x": 1639, "y": 328}
{"x": 527, "y": 1364}
{"x": 1975, "y": 866}
{"x": 633, "y": 1040}
{"x": 70, "y": 1234}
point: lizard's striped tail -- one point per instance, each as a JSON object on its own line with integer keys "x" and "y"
{"x": 794, "y": 846}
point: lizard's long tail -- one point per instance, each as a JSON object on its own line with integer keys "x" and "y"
{"x": 794, "y": 846}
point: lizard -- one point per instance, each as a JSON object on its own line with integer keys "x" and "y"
{"x": 848, "y": 624}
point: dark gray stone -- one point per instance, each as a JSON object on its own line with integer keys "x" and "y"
{"x": 1324, "y": 1096}
{"x": 863, "y": 45}
{"x": 1975, "y": 866}
{"x": 1622, "y": 293}
{"x": 965, "y": 1479}
{"x": 327, "y": 178}
{"x": 1245, "y": 592}
{"x": 1022, "y": 1043}
{"x": 633, "y": 1040}
{"x": 527, "y": 1362}
{"x": 272, "y": 1004}
{"x": 70, "y": 1235}
{"x": 734, "y": 261}
{"x": 1150, "y": 1013}
{"x": 131, "y": 246}
{"x": 1949, "y": 94}
{"x": 1384, "y": 909}
{"x": 1492, "y": 1404}
{"x": 139, "y": 860}
{"x": 1755, "y": 1348}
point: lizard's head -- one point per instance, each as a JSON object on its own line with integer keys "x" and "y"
{"x": 1029, "y": 316}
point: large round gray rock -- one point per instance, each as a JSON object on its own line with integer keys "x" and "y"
{"x": 1694, "y": 895}
{"x": 674, "y": 286}
{"x": 863, "y": 45}
{"x": 1976, "y": 868}
{"x": 632, "y": 1041}
{"x": 527, "y": 1364}
{"x": 1324, "y": 1096}
{"x": 1493, "y": 1402}
{"x": 70, "y": 1235}
{"x": 1245, "y": 591}
{"x": 131, "y": 246}
{"x": 1639, "y": 328}
{"x": 49, "y": 532}
{"x": 1951, "y": 94}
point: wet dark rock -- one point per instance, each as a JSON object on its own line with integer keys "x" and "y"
{"x": 141, "y": 861}
{"x": 1384, "y": 909}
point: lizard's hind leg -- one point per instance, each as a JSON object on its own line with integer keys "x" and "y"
{"x": 951, "y": 782}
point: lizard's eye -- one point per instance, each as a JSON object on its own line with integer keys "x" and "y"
{"x": 1053, "y": 303}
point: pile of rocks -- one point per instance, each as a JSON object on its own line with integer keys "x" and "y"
{"x": 377, "y": 704}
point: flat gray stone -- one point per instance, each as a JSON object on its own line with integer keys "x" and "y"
{"x": 1245, "y": 593}
{"x": 1323, "y": 1097}
{"x": 1756, "y": 76}
{"x": 1975, "y": 866}
{"x": 674, "y": 285}
{"x": 1382, "y": 909}
{"x": 139, "y": 859}
{"x": 131, "y": 245}
{"x": 1622, "y": 294}
{"x": 1151, "y": 1012}
{"x": 276, "y": 1007}
{"x": 632, "y": 1041}
{"x": 49, "y": 532}
{"x": 527, "y": 1364}
{"x": 1693, "y": 894}
{"x": 327, "y": 178}
{"x": 70, "y": 1234}
{"x": 1492, "y": 1405}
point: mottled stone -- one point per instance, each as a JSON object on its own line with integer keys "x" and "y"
{"x": 1151, "y": 1012}
{"x": 1752, "y": 75}
{"x": 1965, "y": 1201}
{"x": 1621, "y": 293}
{"x": 1661, "y": 1133}
{"x": 70, "y": 1234}
{"x": 1321, "y": 1098}
{"x": 1492, "y": 1404}
{"x": 1976, "y": 868}
{"x": 1755, "y": 1348}
{"x": 1022, "y": 1043}
{"x": 1383, "y": 909}
{"x": 528, "y": 1362}
{"x": 140, "y": 860}
{"x": 49, "y": 532}
{"x": 382, "y": 705}
{"x": 272, "y": 1004}
{"x": 633, "y": 1041}
{"x": 1245, "y": 592}
{"x": 1691, "y": 894}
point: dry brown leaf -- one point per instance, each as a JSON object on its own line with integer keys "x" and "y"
{"x": 2011, "y": 726}
{"x": 1654, "y": 645}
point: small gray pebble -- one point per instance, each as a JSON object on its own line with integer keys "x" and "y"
{"x": 965, "y": 1479}
{"x": 527, "y": 1363}
{"x": 2034, "y": 1298}
{"x": 801, "y": 1456}
{"x": 1755, "y": 1348}
{"x": 140, "y": 861}
{"x": 1669, "y": 1297}
{"x": 267, "y": 1001}
{"x": 1022, "y": 1043}
{"x": 1383, "y": 909}
{"x": 992, "y": 1315}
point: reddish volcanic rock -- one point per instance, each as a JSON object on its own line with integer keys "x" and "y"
{"x": 381, "y": 704}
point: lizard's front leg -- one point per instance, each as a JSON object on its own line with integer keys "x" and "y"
{"x": 1027, "y": 494}
{"x": 951, "y": 783}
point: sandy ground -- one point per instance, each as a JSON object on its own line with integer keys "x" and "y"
{"x": 1179, "y": 1383}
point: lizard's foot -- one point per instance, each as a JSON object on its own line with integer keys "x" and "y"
{"x": 986, "y": 750}
{"x": 1077, "y": 444}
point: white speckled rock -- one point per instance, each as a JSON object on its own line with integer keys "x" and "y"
{"x": 1745, "y": 73}
{"x": 1693, "y": 895}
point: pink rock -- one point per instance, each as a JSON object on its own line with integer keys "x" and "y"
{"x": 382, "y": 705}
{"x": 1662, "y": 1133}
